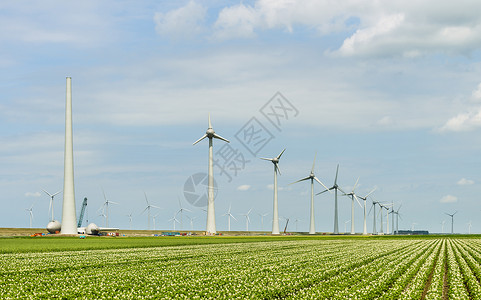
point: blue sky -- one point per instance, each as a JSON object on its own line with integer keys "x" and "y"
{"x": 390, "y": 91}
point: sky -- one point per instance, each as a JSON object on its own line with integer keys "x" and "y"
{"x": 390, "y": 91}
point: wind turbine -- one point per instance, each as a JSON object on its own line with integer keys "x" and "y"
{"x": 147, "y": 208}
{"x": 106, "y": 205}
{"x": 395, "y": 212}
{"x": 262, "y": 220}
{"x": 174, "y": 219}
{"x": 153, "y": 219}
{"x": 275, "y": 214}
{"x": 364, "y": 231}
{"x": 248, "y": 220}
{"x": 353, "y": 196}
{"x": 51, "y": 201}
{"x": 452, "y": 221}
{"x": 345, "y": 226}
{"x": 374, "y": 202}
{"x": 412, "y": 226}
{"x": 442, "y": 226}
{"x": 469, "y": 226}
{"x": 191, "y": 222}
{"x": 180, "y": 211}
{"x": 229, "y": 215}
{"x": 130, "y": 220}
{"x": 312, "y": 177}
{"x": 387, "y": 206}
{"x": 30, "y": 212}
{"x": 335, "y": 187}
{"x": 296, "y": 221}
{"x": 210, "y": 134}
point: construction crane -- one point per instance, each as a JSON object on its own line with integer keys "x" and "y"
{"x": 82, "y": 211}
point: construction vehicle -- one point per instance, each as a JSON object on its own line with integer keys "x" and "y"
{"x": 82, "y": 211}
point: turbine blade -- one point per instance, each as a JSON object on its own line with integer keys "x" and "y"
{"x": 355, "y": 197}
{"x": 210, "y": 124}
{"x": 155, "y": 206}
{"x": 270, "y": 159}
{"x": 314, "y": 163}
{"x": 103, "y": 192}
{"x": 372, "y": 205}
{"x": 371, "y": 192}
{"x": 113, "y": 202}
{"x": 279, "y": 156}
{"x": 301, "y": 180}
{"x": 355, "y": 185}
{"x": 56, "y": 193}
{"x": 233, "y": 218}
{"x": 145, "y": 194}
{"x": 221, "y": 138}
{"x": 47, "y": 193}
{"x": 322, "y": 192}
{"x": 341, "y": 190}
{"x": 277, "y": 169}
{"x": 315, "y": 178}
{"x": 203, "y": 137}
{"x": 337, "y": 171}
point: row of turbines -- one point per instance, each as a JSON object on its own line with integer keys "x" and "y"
{"x": 211, "y": 227}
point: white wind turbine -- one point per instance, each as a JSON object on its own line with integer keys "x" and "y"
{"x": 275, "y": 214}
{"x": 106, "y": 205}
{"x": 312, "y": 177}
{"x": 262, "y": 220}
{"x": 174, "y": 220}
{"x": 210, "y": 134}
{"x": 442, "y": 226}
{"x": 130, "y": 220}
{"x": 229, "y": 215}
{"x": 364, "y": 231}
{"x": 470, "y": 224}
{"x": 297, "y": 221}
{"x": 51, "y": 202}
{"x": 147, "y": 208}
{"x": 248, "y": 220}
{"x": 452, "y": 221}
{"x": 191, "y": 222}
{"x": 335, "y": 187}
{"x": 153, "y": 219}
{"x": 345, "y": 226}
{"x": 181, "y": 210}
{"x": 30, "y": 212}
{"x": 353, "y": 196}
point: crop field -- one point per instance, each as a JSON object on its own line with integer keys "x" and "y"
{"x": 308, "y": 268}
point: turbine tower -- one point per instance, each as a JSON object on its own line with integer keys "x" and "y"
{"x": 51, "y": 201}
{"x": 210, "y": 134}
{"x": 69, "y": 216}
{"x": 353, "y": 196}
{"x": 452, "y": 221}
{"x": 335, "y": 187}
{"x": 312, "y": 177}
{"x": 364, "y": 231}
{"x": 275, "y": 214}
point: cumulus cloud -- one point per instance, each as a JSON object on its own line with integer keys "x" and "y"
{"x": 184, "y": 21}
{"x": 372, "y": 28}
{"x": 464, "y": 181}
{"x": 449, "y": 199}
{"x": 463, "y": 121}
{"x": 243, "y": 187}
{"x": 32, "y": 194}
{"x": 476, "y": 95}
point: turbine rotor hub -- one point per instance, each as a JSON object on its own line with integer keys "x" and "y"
{"x": 210, "y": 133}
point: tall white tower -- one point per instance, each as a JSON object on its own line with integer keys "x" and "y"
{"x": 69, "y": 218}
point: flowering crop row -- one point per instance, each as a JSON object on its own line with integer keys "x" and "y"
{"x": 318, "y": 268}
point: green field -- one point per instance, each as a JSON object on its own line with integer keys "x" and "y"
{"x": 295, "y": 267}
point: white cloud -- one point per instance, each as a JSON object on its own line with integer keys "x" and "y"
{"x": 364, "y": 38}
{"x": 449, "y": 199}
{"x": 184, "y": 21}
{"x": 243, "y": 187}
{"x": 464, "y": 181}
{"x": 236, "y": 21}
{"x": 463, "y": 121}
{"x": 476, "y": 95}
{"x": 32, "y": 194}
